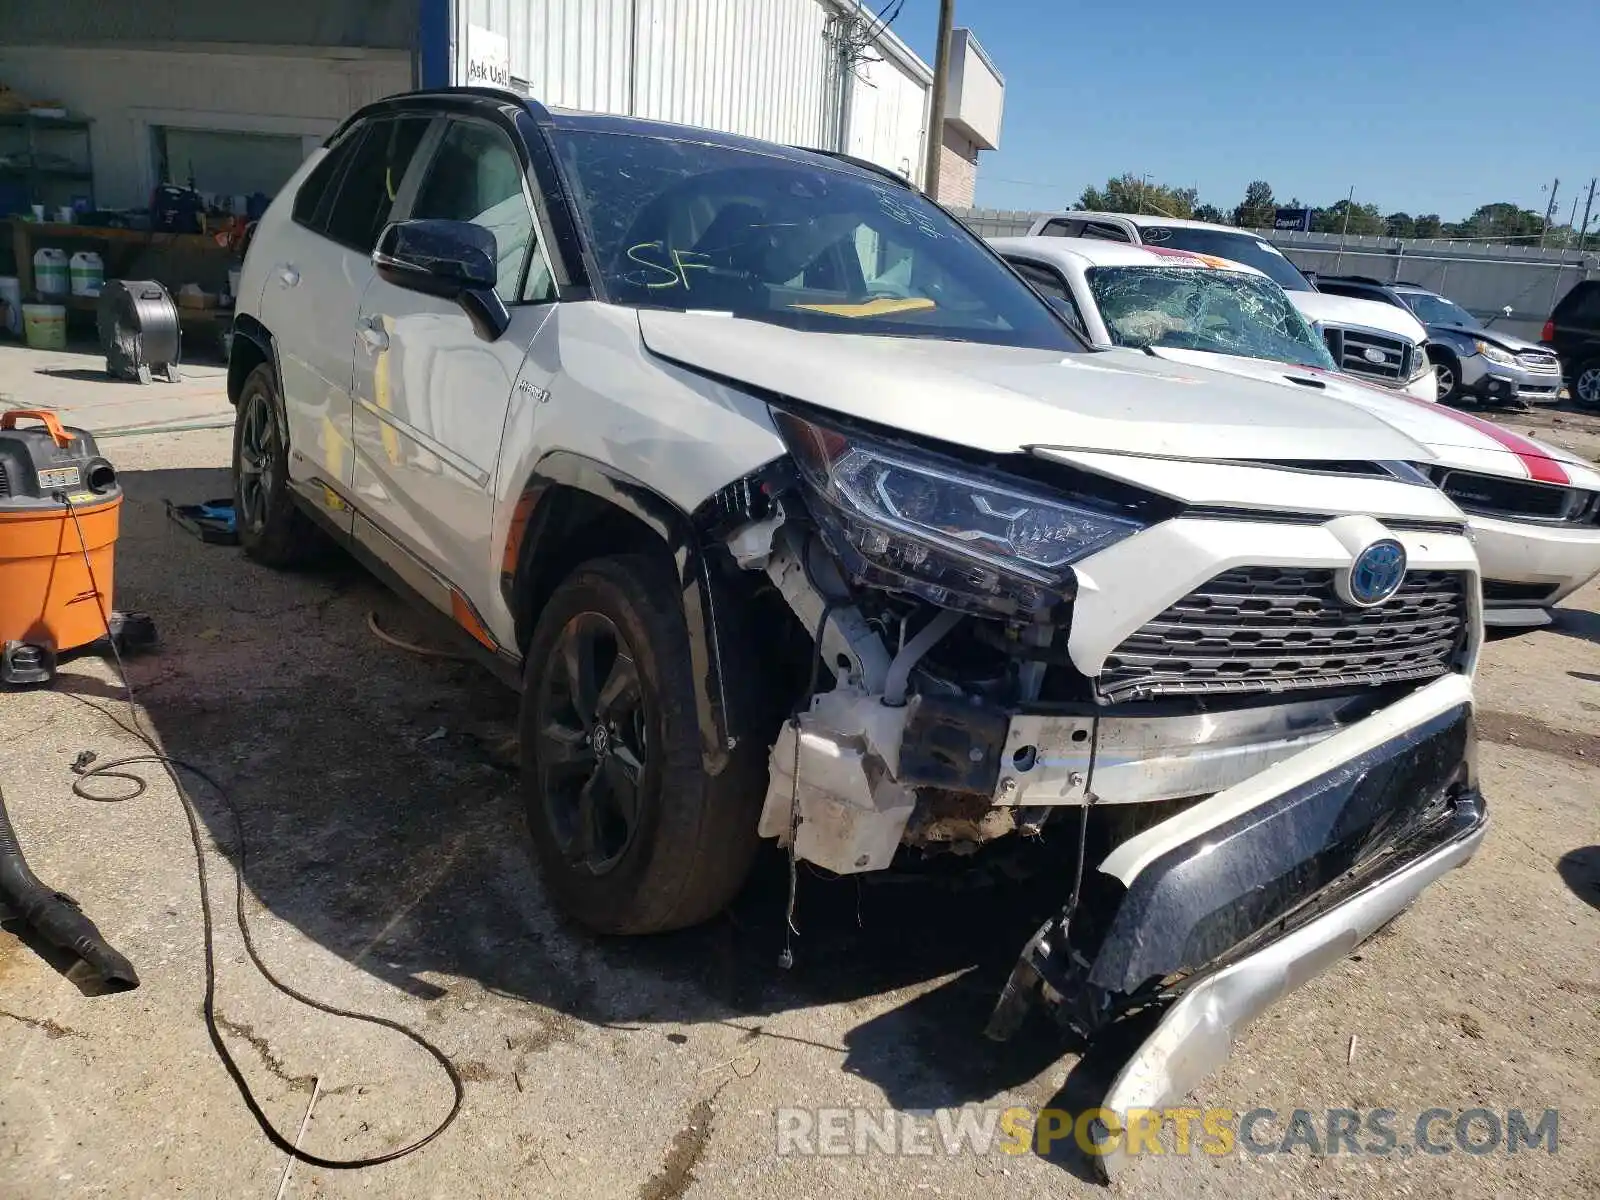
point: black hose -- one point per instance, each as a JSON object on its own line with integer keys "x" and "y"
{"x": 54, "y": 915}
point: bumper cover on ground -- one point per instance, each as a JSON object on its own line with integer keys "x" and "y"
{"x": 1197, "y": 1034}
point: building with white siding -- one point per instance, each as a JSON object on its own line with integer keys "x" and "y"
{"x": 176, "y": 90}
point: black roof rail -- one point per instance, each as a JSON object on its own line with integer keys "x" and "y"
{"x": 863, "y": 163}
{"x": 1356, "y": 279}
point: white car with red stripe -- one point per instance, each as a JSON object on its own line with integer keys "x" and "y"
{"x": 1534, "y": 509}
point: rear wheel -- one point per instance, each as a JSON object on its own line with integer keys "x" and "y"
{"x": 632, "y": 834}
{"x": 1586, "y": 384}
{"x": 271, "y": 529}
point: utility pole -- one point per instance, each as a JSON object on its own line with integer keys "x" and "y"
{"x": 1550, "y": 211}
{"x": 1583, "y": 231}
{"x": 941, "y": 75}
{"x": 1349, "y": 203}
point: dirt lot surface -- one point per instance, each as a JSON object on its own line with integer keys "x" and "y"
{"x": 387, "y": 873}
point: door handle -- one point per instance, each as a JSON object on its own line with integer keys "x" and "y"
{"x": 373, "y": 335}
{"x": 288, "y": 275}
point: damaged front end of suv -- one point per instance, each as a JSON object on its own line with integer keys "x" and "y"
{"x": 1252, "y": 717}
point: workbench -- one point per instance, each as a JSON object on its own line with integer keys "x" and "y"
{"x": 172, "y": 259}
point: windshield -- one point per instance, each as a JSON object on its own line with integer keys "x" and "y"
{"x": 1436, "y": 310}
{"x": 1243, "y": 248}
{"x": 685, "y": 225}
{"x": 1222, "y": 312}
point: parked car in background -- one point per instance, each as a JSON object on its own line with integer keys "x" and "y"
{"x": 1372, "y": 340}
{"x": 1534, "y": 509}
{"x": 1573, "y": 331}
{"x": 1471, "y": 360}
{"x": 795, "y": 513}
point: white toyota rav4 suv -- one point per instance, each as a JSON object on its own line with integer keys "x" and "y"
{"x": 795, "y": 513}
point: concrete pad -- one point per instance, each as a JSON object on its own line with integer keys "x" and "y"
{"x": 74, "y": 384}
{"x": 387, "y": 873}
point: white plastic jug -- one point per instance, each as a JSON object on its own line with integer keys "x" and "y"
{"x": 87, "y": 272}
{"x": 50, "y": 271}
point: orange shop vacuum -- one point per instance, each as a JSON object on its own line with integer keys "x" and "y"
{"x": 55, "y": 589}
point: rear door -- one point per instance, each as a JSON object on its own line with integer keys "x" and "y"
{"x": 319, "y": 267}
{"x": 431, "y": 395}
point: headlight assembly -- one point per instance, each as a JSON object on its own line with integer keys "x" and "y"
{"x": 941, "y": 529}
{"x": 1420, "y": 363}
{"x": 1495, "y": 355}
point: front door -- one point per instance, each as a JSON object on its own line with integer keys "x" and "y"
{"x": 431, "y": 396}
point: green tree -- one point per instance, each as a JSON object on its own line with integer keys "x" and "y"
{"x": 1365, "y": 219}
{"x": 1130, "y": 193}
{"x": 1502, "y": 220}
{"x": 1400, "y": 225}
{"x": 1210, "y": 212}
{"x": 1258, "y": 208}
{"x": 1428, "y": 226}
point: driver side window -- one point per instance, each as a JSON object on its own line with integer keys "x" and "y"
{"x": 476, "y": 176}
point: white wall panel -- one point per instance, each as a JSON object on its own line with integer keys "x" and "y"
{"x": 124, "y": 92}
{"x": 888, "y": 118}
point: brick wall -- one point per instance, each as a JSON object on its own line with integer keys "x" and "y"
{"x": 958, "y": 169}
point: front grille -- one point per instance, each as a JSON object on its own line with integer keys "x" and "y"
{"x": 1506, "y": 592}
{"x": 1497, "y": 496}
{"x": 1539, "y": 360}
{"x": 1350, "y": 348}
{"x": 5, "y": 482}
{"x": 1274, "y": 629}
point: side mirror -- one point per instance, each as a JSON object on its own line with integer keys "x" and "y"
{"x": 454, "y": 260}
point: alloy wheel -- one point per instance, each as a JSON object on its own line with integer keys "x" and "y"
{"x": 1586, "y": 390}
{"x": 258, "y": 446}
{"x": 593, "y": 743}
{"x": 1445, "y": 379}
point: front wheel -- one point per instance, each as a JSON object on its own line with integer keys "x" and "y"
{"x": 631, "y": 833}
{"x": 1447, "y": 377}
{"x": 1586, "y": 384}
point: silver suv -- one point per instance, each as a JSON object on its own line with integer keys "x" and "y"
{"x": 795, "y": 513}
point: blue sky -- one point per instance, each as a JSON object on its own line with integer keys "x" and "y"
{"x": 1423, "y": 105}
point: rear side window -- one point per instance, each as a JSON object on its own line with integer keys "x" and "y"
{"x": 1580, "y": 305}
{"x": 370, "y": 184}
{"x": 308, "y": 201}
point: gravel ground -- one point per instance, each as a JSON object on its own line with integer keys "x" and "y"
{"x": 387, "y": 874}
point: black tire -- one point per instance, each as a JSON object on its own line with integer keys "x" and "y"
{"x": 271, "y": 529}
{"x": 692, "y": 836}
{"x": 1447, "y": 376}
{"x": 1586, "y": 379}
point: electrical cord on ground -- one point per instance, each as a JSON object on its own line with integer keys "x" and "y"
{"x": 383, "y": 635}
{"x": 85, "y": 770}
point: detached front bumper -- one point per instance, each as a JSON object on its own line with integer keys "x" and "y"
{"x": 1197, "y": 1034}
{"x": 1225, "y": 907}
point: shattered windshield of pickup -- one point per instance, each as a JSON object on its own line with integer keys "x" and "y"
{"x": 1222, "y": 312}
{"x": 813, "y": 245}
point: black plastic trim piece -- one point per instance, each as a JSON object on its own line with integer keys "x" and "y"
{"x": 1197, "y": 901}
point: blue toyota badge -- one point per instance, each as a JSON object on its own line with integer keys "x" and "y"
{"x": 1376, "y": 574}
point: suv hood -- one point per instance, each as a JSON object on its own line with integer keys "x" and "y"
{"x": 1506, "y": 341}
{"x": 1005, "y": 400}
{"x": 1371, "y": 314}
{"x": 1455, "y": 439}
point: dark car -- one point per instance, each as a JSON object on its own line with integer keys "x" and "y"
{"x": 1573, "y": 330}
{"x": 1471, "y": 361}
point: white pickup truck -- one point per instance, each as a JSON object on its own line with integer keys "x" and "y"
{"x": 1378, "y": 342}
